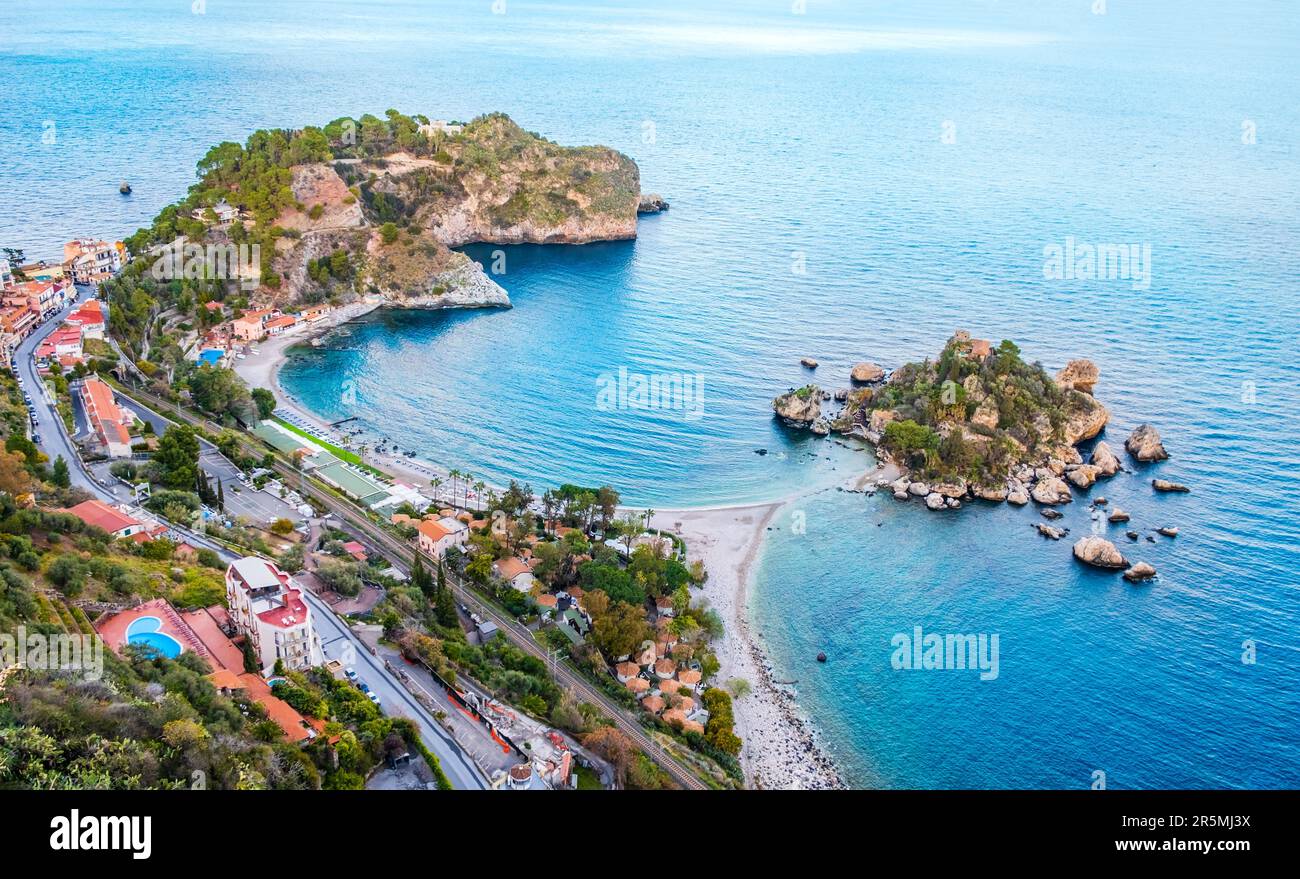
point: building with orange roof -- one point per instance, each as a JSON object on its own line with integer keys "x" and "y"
{"x": 436, "y": 537}
{"x": 278, "y": 325}
{"x": 547, "y": 601}
{"x": 669, "y": 686}
{"x": 100, "y": 515}
{"x": 638, "y": 685}
{"x": 625, "y": 671}
{"x": 665, "y": 668}
{"x": 90, "y": 317}
{"x": 688, "y": 677}
{"x": 91, "y": 261}
{"x": 653, "y": 704}
{"x": 248, "y": 328}
{"x": 107, "y": 420}
{"x": 515, "y": 572}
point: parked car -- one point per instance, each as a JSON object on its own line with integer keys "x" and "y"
{"x": 365, "y": 688}
{"x": 374, "y": 697}
{"x": 350, "y": 673}
{"x": 36, "y": 438}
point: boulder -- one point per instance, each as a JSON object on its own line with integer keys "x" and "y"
{"x": 1049, "y": 531}
{"x": 799, "y": 408}
{"x": 986, "y": 415}
{"x": 1078, "y": 375}
{"x": 1049, "y": 513}
{"x": 1131, "y": 535}
{"x": 1166, "y": 485}
{"x": 1051, "y": 491}
{"x": 865, "y": 372}
{"x": 901, "y": 495}
{"x": 1117, "y": 515}
{"x": 934, "y": 501}
{"x": 920, "y": 489}
{"x": 1140, "y": 571}
{"x": 808, "y": 362}
{"x": 900, "y": 484}
{"x": 1100, "y": 553}
{"x": 996, "y": 493}
{"x": 1084, "y": 475}
{"x": 952, "y": 503}
{"x": 841, "y": 395}
{"x": 950, "y": 489}
{"x": 880, "y": 418}
{"x": 1168, "y": 531}
{"x": 821, "y": 427}
{"x": 1085, "y": 419}
{"x": 1145, "y": 445}
{"x": 1104, "y": 459}
{"x": 1016, "y": 493}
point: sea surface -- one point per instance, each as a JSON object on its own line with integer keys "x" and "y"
{"x": 850, "y": 183}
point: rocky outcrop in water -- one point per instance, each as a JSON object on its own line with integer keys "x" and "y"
{"x": 1140, "y": 571}
{"x": 1144, "y": 443}
{"x": 1166, "y": 485}
{"x": 1104, "y": 459}
{"x": 865, "y": 373}
{"x": 799, "y": 408}
{"x": 651, "y": 203}
{"x": 1100, "y": 553}
{"x": 1078, "y": 375}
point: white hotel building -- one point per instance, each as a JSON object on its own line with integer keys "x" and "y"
{"x": 267, "y": 606}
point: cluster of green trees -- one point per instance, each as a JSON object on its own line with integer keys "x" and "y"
{"x": 949, "y": 391}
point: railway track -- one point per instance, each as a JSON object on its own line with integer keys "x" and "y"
{"x": 402, "y": 555}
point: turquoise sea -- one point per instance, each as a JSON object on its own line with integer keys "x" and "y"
{"x": 850, "y": 183}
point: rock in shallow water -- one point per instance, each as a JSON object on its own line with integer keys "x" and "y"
{"x": 1140, "y": 571}
{"x": 1145, "y": 445}
{"x": 1100, "y": 553}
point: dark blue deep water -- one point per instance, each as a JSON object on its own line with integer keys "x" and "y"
{"x": 849, "y": 184}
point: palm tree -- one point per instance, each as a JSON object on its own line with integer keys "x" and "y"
{"x": 455, "y": 475}
{"x": 436, "y": 482}
{"x": 478, "y": 490}
{"x": 646, "y": 515}
{"x": 468, "y": 479}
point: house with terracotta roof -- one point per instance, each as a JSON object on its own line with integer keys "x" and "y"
{"x": 90, "y": 318}
{"x": 435, "y": 537}
{"x": 664, "y": 607}
{"x": 91, "y": 261}
{"x": 65, "y": 342}
{"x": 107, "y": 421}
{"x": 638, "y": 685}
{"x": 248, "y": 328}
{"x": 546, "y": 602}
{"x": 356, "y": 550}
{"x": 266, "y": 605}
{"x": 653, "y": 704}
{"x": 625, "y": 671}
{"x": 516, "y": 572}
{"x": 110, "y": 519}
{"x": 689, "y": 677}
{"x": 278, "y": 325}
{"x": 665, "y": 668}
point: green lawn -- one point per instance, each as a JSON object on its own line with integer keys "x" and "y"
{"x": 341, "y": 454}
{"x": 588, "y": 779}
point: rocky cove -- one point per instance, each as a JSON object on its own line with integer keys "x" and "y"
{"x": 980, "y": 423}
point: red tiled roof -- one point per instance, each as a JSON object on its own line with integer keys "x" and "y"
{"x": 512, "y": 567}
{"x": 101, "y": 515}
{"x": 292, "y": 613}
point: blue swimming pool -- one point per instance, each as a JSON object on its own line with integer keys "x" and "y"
{"x": 145, "y": 632}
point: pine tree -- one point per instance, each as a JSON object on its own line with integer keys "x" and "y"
{"x": 221, "y": 496}
{"x": 446, "y": 609}
{"x": 61, "y": 477}
{"x": 420, "y": 578}
{"x": 442, "y": 580}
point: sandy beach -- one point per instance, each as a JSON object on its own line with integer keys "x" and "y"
{"x": 780, "y": 751}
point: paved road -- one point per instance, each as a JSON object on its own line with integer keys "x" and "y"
{"x": 49, "y": 426}
{"x": 340, "y": 643}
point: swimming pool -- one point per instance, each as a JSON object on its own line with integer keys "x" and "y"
{"x": 145, "y": 632}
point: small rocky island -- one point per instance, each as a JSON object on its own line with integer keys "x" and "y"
{"x": 980, "y": 422}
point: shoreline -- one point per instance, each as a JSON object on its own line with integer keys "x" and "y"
{"x": 782, "y": 749}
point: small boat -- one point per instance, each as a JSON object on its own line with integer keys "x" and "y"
{"x": 125, "y": 188}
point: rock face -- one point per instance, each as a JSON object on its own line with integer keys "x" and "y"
{"x": 866, "y": 372}
{"x": 1079, "y": 375}
{"x": 1145, "y": 445}
{"x": 1100, "y": 553}
{"x": 986, "y": 415}
{"x": 996, "y": 493}
{"x": 1085, "y": 419}
{"x": 464, "y": 286}
{"x": 651, "y": 203}
{"x": 799, "y": 408}
{"x": 1051, "y": 490}
{"x": 1166, "y": 485}
{"x": 1104, "y": 459}
{"x": 1083, "y": 475}
{"x": 1140, "y": 571}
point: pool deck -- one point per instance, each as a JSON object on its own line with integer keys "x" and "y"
{"x": 113, "y": 629}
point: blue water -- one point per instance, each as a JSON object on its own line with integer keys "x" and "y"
{"x": 145, "y": 631}
{"x": 784, "y": 140}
